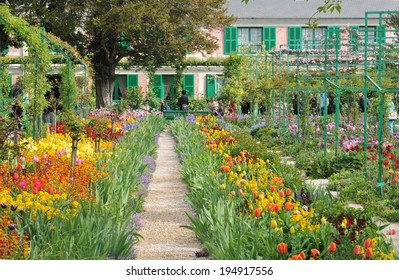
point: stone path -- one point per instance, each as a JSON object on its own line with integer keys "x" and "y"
{"x": 165, "y": 210}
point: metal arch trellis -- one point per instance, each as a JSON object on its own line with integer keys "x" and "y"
{"x": 358, "y": 59}
{"x": 67, "y": 54}
{"x": 5, "y": 22}
{"x": 65, "y": 51}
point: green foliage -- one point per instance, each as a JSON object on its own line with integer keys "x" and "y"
{"x": 134, "y": 97}
{"x": 68, "y": 87}
{"x": 318, "y": 165}
{"x": 199, "y": 104}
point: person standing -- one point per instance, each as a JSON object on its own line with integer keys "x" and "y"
{"x": 213, "y": 106}
{"x": 324, "y": 102}
{"x": 221, "y": 108}
{"x": 362, "y": 105}
{"x": 182, "y": 102}
{"x": 392, "y": 114}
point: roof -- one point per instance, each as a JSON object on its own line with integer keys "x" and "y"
{"x": 301, "y": 11}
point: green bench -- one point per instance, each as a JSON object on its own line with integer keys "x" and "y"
{"x": 172, "y": 114}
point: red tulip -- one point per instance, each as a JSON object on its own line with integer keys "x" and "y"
{"x": 281, "y": 193}
{"x": 282, "y": 248}
{"x": 19, "y": 166}
{"x": 35, "y": 190}
{"x": 272, "y": 188}
{"x": 50, "y": 190}
{"x": 332, "y": 248}
{"x": 15, "y": 176}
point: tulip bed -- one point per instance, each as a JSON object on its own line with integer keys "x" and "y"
{"x": 246, "y": 210}
{"x": 50, "y": 211}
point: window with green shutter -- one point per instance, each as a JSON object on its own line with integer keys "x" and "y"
{"x": 158, "y": 88}
{"x": 333, "y": 37}
{"x": 210, "y": 85}
{"x": 230, "y": 39}
{"x": 269, "y": 37}
{"x": 132, "y": 80}
{"x": 188, "y": 84}
{"x": 294, "y": 37}
{"x": 116, "y": 88}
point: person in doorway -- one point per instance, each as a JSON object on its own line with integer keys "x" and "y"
{"x": 17, "y": 112}
{"x": 49, "y": 114}
{"x": 182, "y": 102}
{"x": 17, "y": 90}
{"x": 245, "y": 107}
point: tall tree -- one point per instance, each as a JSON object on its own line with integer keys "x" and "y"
{"x": 148, "y": 33}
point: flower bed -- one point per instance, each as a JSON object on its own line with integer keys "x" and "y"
{"x": 246, "y": 212}
{"x": 50, "y": 210}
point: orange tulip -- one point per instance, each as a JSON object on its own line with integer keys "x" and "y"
{"x": 368, "y": 243}
{"x": 315, "y": 253}
{"x": 302, "y": 254}
{"x": 357, "y": 250}
{"x": 272, "y": 188}
{"x": 369, "y": 253}
{"x": 282, "y": 248}
{"x": 257, "y": 212}
{"x": 281, "y": 193}
{"x": 288, "y": 206}
{"x": 332, "y": 248}
{"x": 287, "y": 192}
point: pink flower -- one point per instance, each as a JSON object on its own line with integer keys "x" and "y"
{"x": 36, "y": 159}
{"x": 22, "y": 185}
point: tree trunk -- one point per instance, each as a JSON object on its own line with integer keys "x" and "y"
{"x": 104, "y": 90}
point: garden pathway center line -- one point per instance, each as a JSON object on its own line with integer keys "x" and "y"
{"x": 164, "y": 210}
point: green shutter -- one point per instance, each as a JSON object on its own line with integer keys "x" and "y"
{"x": 210, "y": 86}
{"x": 333, "y": 36}
{"x": 230, "y": 39}
{"x": 294, "y": 37}
{"x": 354, "y": 38}
{"x": 132, "y": 80}
{"x": 381, "y": 34}
{"x": 188, "y": 84}
{"x": 4, "y": 40}
{"x": 269, "y": 37}
{"x": 116, "y": 88}
{"x": 159, "y": 87}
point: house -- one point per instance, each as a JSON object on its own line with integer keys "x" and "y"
{"x": 270, "y": 24}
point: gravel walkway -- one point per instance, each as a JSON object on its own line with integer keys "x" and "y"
{"x": 165, "y": 210}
